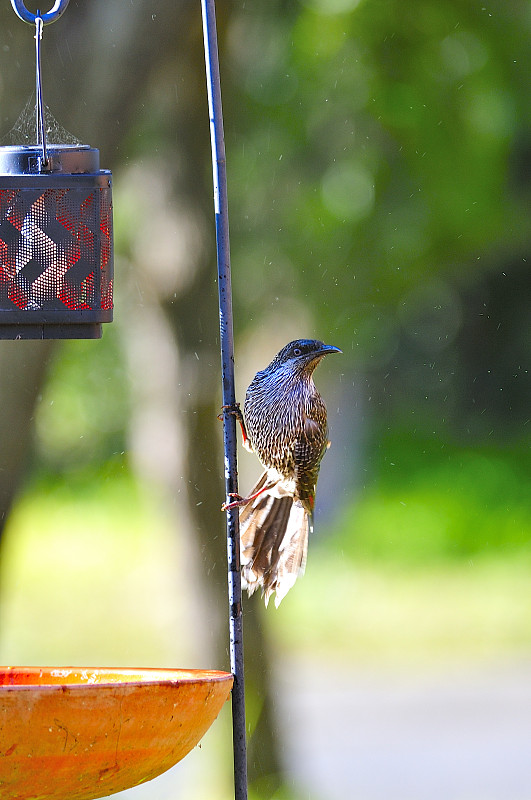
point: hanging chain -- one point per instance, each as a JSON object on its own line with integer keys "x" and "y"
{"x": 39, "y": 108}
{"x": 40, "y": 20}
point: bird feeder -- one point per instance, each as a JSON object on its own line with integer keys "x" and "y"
{"x": 56, "y": 262}
{"x": 56, "y": 248}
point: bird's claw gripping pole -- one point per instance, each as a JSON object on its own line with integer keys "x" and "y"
{"x": 228, "y": 392}
{"x": 236, "y": 411}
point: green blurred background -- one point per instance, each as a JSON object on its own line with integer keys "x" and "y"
{"x": 379, "y": 182}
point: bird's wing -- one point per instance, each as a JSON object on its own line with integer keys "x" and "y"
{"x": 308, "y": 450}
{"x": 274, "y": 545}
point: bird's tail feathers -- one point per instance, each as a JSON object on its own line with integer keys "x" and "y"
{"x": 274, "y": 531}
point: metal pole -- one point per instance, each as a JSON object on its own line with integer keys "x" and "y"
{"x": 228, "y": 393}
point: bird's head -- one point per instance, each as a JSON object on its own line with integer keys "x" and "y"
{"x": 303, "y": 354}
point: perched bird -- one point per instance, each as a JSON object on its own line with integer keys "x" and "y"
{"x": 284, "y": 423}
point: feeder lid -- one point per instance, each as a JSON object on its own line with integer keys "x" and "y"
{"x": 61, "y": 158}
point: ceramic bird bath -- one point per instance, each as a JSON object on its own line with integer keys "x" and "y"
{"x": 77, "y": 734}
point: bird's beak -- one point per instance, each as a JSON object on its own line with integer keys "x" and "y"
{"x": 322, "y": 351}
{"x": 329, "y": 348}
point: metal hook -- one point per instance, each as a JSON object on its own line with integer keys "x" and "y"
{"x": 54, "y": 13}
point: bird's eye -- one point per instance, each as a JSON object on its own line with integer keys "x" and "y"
{"x": 297, "y": 351}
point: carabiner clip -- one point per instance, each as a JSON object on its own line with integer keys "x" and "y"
{"x": 54, "y": 13}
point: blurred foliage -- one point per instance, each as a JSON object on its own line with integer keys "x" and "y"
{"x": 57, "y": 586}
{"x": 82, "y": 413}
{"x": 417, "y": 618}
{"x": 405, "y": 604}
{"x": 378, "y": 161}
{"x": 379, "y": 169}
{"x": 431, "y": 501}
{"x": 378, "y": 158}
{"x": 376, "y": 145}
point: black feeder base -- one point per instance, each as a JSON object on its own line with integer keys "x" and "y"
{"x": 45, "y": 331}
{"x": 56, "y": 249}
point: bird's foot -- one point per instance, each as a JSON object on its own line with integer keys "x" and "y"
{"x": 232, "y": 408}
{"x": 236, "y": 411}
{"x": 242, "y": 501}
{"x": 238, "y": 501}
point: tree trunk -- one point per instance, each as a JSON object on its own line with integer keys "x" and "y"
{"x": 22, "y": 370}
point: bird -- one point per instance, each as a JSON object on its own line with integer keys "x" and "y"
{"x": 284, "y": 423}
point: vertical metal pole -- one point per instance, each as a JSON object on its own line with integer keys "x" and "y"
{"x": 228, "y": 393}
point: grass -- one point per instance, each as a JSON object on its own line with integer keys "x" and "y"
{"x": 433, "y": 561}
{"x": 478, "y": 609}
{"x": 92, "y": 572}
{"x": 87, "y": 576}
{"x": 431, "y": 502}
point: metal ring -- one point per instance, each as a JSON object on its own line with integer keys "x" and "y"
{"x": 54, "y": 13}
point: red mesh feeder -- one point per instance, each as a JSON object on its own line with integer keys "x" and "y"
{"x": 78, "y": 734}
{"x": 56, "y": 256}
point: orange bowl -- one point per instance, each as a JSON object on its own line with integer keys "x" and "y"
{"x": 79, "y": 733}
